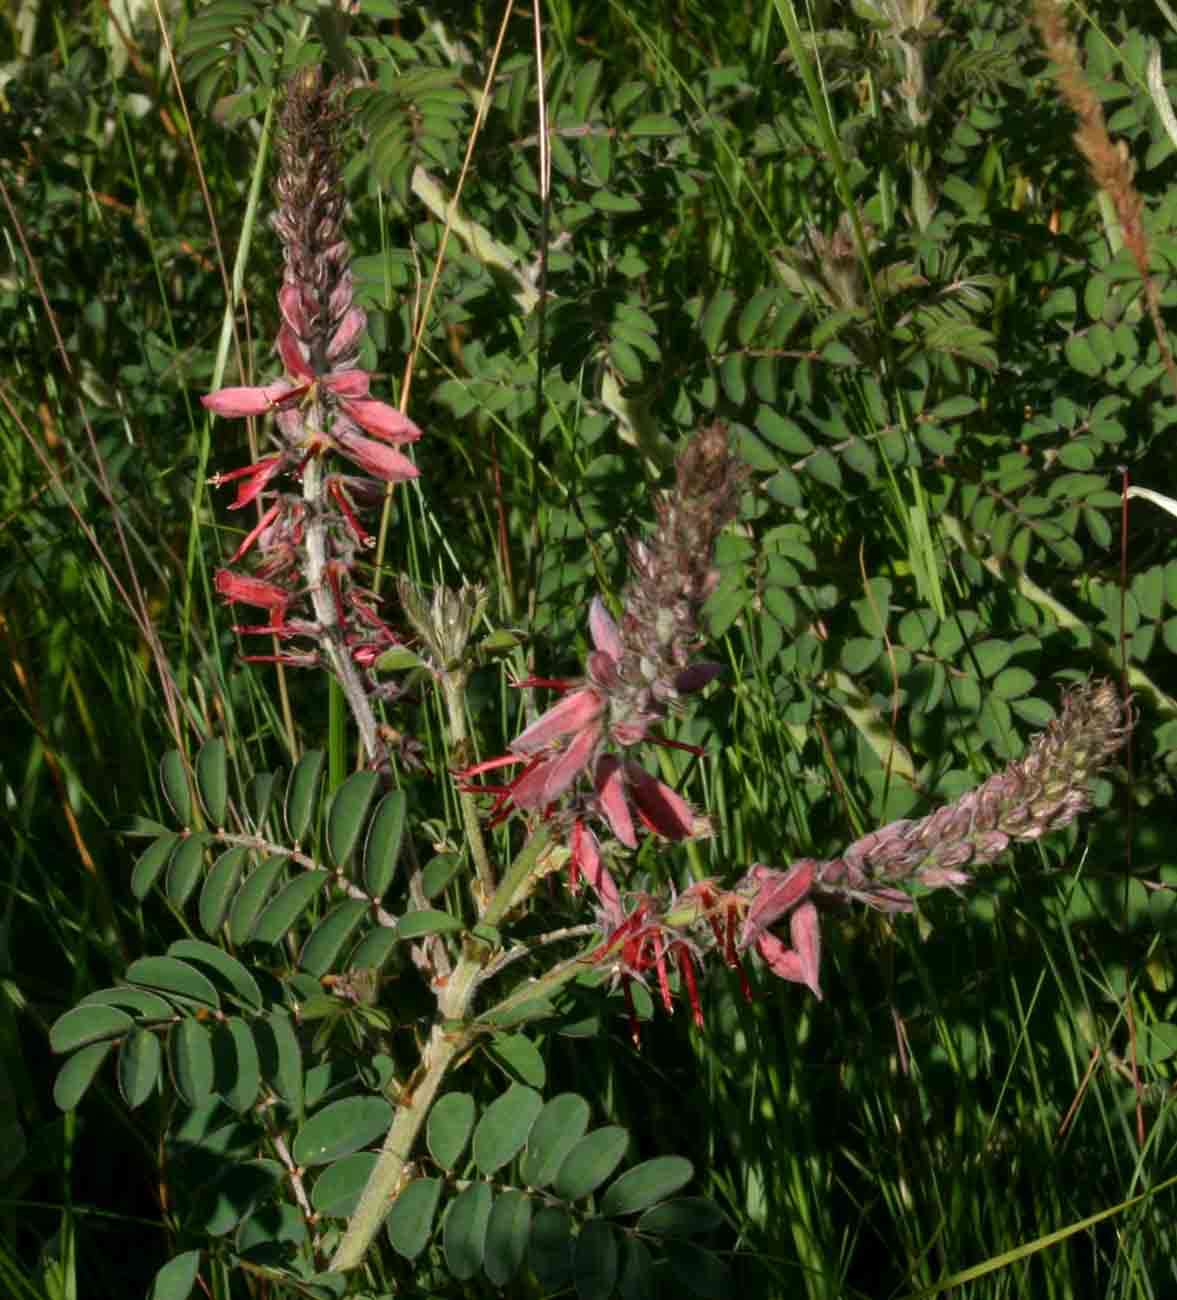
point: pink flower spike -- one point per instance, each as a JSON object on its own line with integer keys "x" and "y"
{"x": 665, "y": 813}
{"x": 611, "y": 796}
{"x": 380, "y": 461}
{"x": 571, "y": 714}
{"x": 382, "y": 421}
{"x": 233, "y": 402}
{"x": 256, "y": 531}
{"x": 603, "y": 630}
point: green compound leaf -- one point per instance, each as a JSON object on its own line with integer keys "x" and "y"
{"x": 190, "y": 1055}
{"x": 451, "y": 1122}
{"x": 212, "y": 780}
{"x": 549, "y": 1252}
{"x": 266, "y": 1236}
{"x": 90, "y": 1023}
{"x": 644, "y": 1184}
{"x": 715, "y": 318}
{"x": 595, "y": 1260}
{"x": 410, "y": 1221}
{"x": 438, "y": 872}
{"x": 238, "y": 1065}
{"x": 225, "y": 971}
{"x": 262, "y": 789}
{"x": 992, "y": 656}
{"x": 185, "y": 867}
{"x": 292, "y": 900}
{"x": 414, "y": 925}
{"x": 504, "y": 1127}
{"x": 222, "y": 1205}
{"x": 177, "y": 1277}
{"x": 559, "y": 1127}
{"x": 700, "y": 1271}
{"x": 147, "y": 1006}
{"x": 326, "y": 940}
{"x": 637, "y": 1271}
{"x": 219, "y": 887}
{"x": 518, "y": 1057}
{"x": 77, "y": 1074}
{"x": 689, "y": 1216}
{"x": 859, "y": 653}
{"x": 338, "y": 1188}
{"x": 590, "y": 1162}
{"x": 349, "y": 807}
{"x": 150, "y": 863}
{"x": 374, "y": 949}
{"x": 341, "y": 1128}
{"x": 175, "y": 979}
{"x": 173, "y": 778}
{"x": 280, "y": 1056}
{"x": 1013, "y": 682}
{"x": 140, "y": 1064}
{"x": 506, "y": 1236}
{"x": 251, "y": 898}
{"x": 382, "y": 848}
{"x": 464, "y": 1233}
{"x": 301, "y": 792}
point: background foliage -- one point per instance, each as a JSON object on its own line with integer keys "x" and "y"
{"x": 860, "y": 235}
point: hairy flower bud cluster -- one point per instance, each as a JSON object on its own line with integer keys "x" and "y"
{"x": 1046, "y": 789}
{"x": 307, "y": 541}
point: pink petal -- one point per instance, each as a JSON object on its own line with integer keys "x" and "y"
{"x": 240, "y": 587}
{"x": 348, "y": 383}
{"x": 587, "y": 855}
{"x": 567, "y": 766}
{"x": 696, "y": 677}
{"x": 603, "y": 630}
{"x": 254, "y": 483}
{"x": 383, "y": 462}
{"x": 246, "y": 401}
{"x": 382, "y": 421}
{"x": 527, "y": 791}
{"x": 611, "y": 796}
{"x": 580, "y": 709}
{"x": 805, "y": 931}
{"x": 349, "y": 330}
{"x": 666, "y": 813}
{"x": 294, "y": 313}
{"x": 291, "y": 352}
{"x": 776, "y": 892}
{"x": 780, "y": 960}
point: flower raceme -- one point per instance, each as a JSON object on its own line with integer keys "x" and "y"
{"x": 637, "y": 671}
{"x": 307, "y": 541}
{"x": 1043, "y": 791}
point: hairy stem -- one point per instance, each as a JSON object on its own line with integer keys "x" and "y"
{"x": 322, "y": 599}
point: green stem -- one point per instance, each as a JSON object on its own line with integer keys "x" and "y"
{"x": 453, "y": 688}
{"x": 447, "y": 1041}
{"x": 385, "y": 1179}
